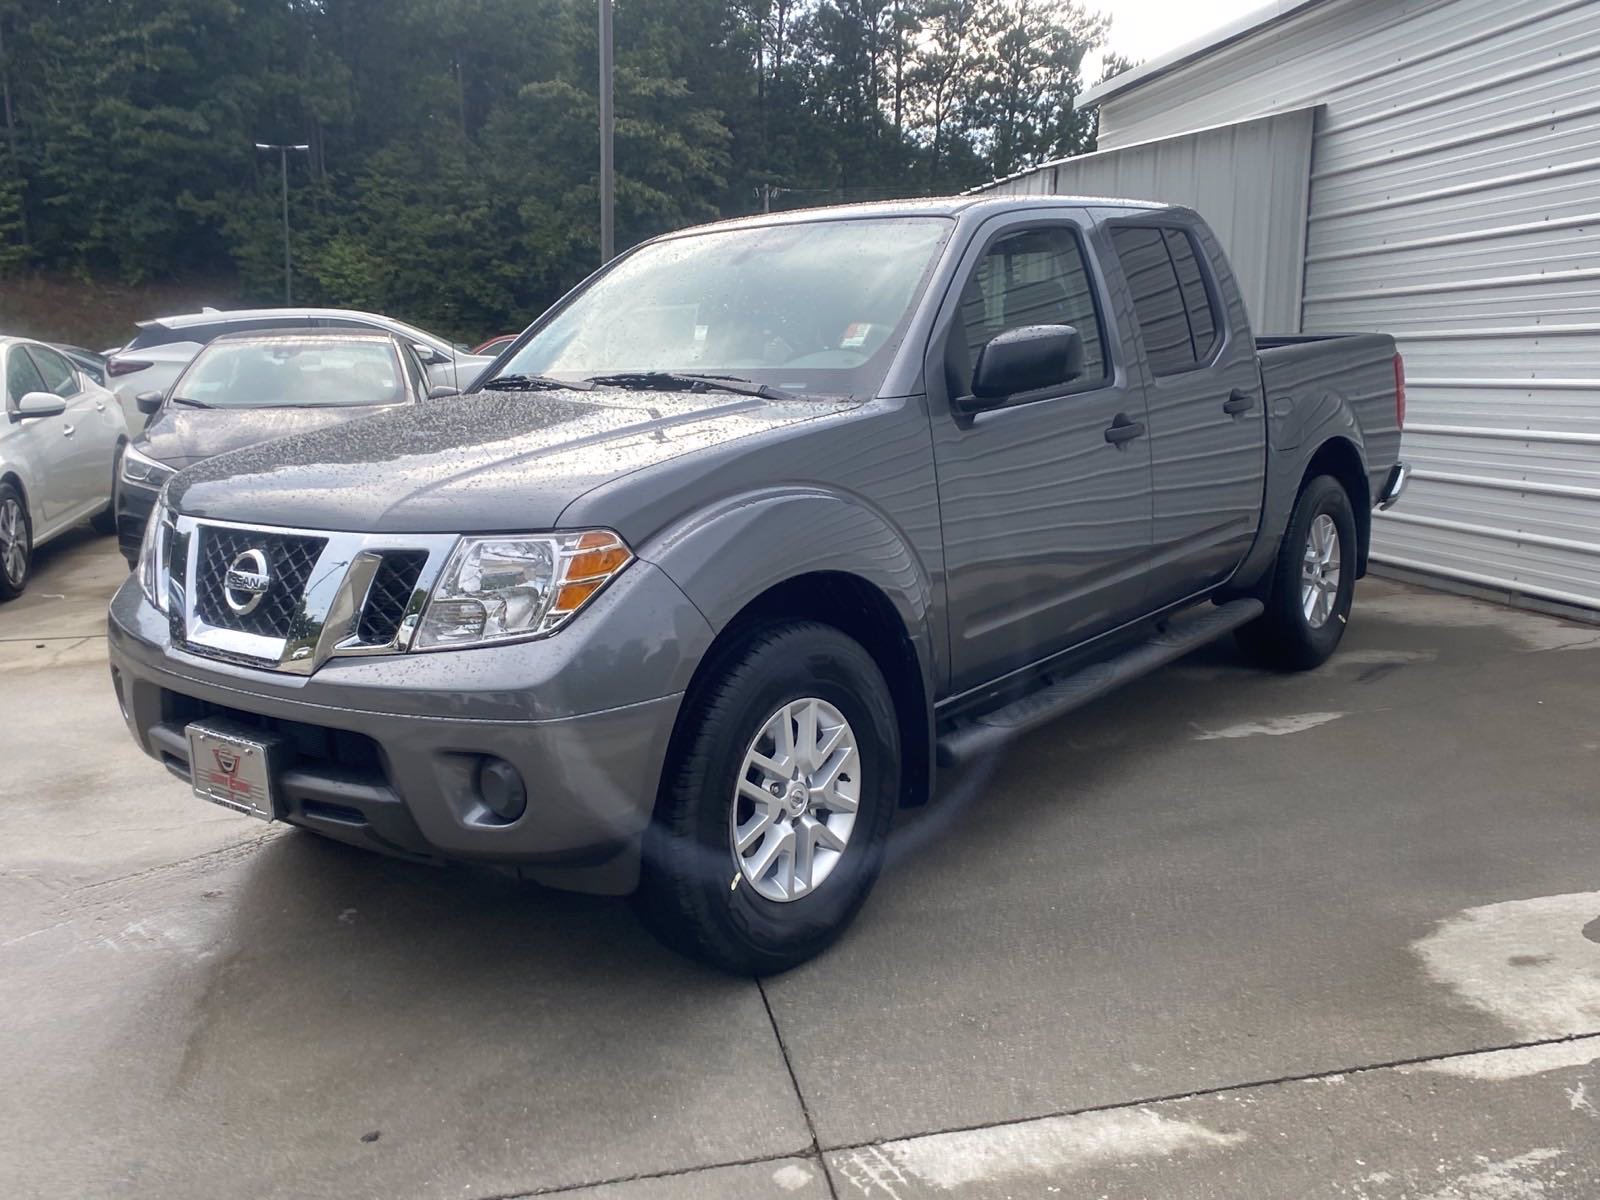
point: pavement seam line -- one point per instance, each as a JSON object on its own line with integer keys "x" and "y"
{"x": 676, "y": 1172}
{"x": 568, "y": 1188}
{"x": 241, "y": 849}
{"x": 800, "y": 1097}
{"x": 1219, "y": 1090}
{"x": 1070, "y": 1112}
{"x": 56, "y": 637}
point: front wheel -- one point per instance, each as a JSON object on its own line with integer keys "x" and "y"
{"x": 16, "y": 543}
{"x": 1313, "y": 582}
{"x": 775, "y": 808}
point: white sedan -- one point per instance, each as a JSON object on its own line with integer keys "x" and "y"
{"x": 60, "y": 440}
{"x": 161, "y": 349}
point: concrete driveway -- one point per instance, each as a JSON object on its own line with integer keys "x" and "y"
{"x": 1229, "y": 934}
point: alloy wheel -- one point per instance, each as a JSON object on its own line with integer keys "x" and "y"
{"x": 1320, "y": 572}
{"x": 13, "y": 541}
{"x": 795, "y": 802}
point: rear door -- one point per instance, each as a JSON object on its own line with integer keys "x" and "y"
{"x": 1046, "y": 523}
{"x": 1207, "y": 418}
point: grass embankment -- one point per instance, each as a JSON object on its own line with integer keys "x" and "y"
{"x": 60, "y": 308}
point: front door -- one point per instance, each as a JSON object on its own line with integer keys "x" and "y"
{"x": 41, "y": 442}
{"x": 90, "y": 444}
{"x": 1046, "y": 521}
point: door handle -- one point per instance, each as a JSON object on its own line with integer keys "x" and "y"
{"x": 1124, "y": 429}
{"x": 99, "y": 406}
{"x": 1238, "y": 402}
{"x": 67, "y": 431}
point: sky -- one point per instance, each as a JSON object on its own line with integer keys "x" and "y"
{"x": 1142, "y": 29}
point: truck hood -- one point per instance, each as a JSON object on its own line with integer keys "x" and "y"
{"x": 181, "y": 437}
{"x": 482, "y": 463}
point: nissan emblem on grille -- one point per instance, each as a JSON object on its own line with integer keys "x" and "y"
{"x": 246, "y": 582}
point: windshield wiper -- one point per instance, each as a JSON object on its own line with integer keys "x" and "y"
{"x": 191, "y": 403}
{"x": 532, "y": 383}
{"x": 666, "y": 381}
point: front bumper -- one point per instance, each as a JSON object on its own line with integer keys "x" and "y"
{"x": 383, "y": 752}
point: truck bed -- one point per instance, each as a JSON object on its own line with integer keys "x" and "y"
{"x": 1305, "y": 374}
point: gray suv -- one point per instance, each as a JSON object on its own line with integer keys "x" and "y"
{"x": 746, "y": 536}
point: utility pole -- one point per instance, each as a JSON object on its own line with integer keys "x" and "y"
{"x": 608, "y": 237}
{"x": 283, "y": 160}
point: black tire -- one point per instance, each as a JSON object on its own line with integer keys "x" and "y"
{"x": 693, "y": 894}
{"x": 105, "y": 521}
{"x": 10, "y": 587}
{"x": 1284, "y": 637}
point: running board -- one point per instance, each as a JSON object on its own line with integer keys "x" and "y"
{"x": 982, "y": 735}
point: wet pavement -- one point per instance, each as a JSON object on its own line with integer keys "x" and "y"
{"x": 1227, "y": 934}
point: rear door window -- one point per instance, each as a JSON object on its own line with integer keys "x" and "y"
{"x": 1176, "y": 313}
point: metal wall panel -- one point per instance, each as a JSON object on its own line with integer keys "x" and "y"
{"x": 1454, "y": 201}
{"x": 1262, "y": 227}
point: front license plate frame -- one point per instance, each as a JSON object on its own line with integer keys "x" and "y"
{"x": 232, "y": 765}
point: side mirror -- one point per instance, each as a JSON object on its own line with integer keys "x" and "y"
{"x": 1025, "y": 360}
{"x": 429, "y": 356}
{"x": 149, "y": 403}
{"x": 443, "y": 391}
{"x": 41, "y": 404}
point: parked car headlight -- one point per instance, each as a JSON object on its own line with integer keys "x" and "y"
{"x": 140, "y": 468}
{"x": 152, "y": 565}
{"x": 505, "y": 587}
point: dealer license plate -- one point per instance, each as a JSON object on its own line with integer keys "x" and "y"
{"x": 232, "y": 766}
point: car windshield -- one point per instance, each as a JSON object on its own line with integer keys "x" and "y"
{"x": 815, "y": 308}
{"x": 313, "y": 372}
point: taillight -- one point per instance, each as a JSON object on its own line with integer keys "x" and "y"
{"x": 124, "y": 366}
{"x": 1399, "y": 392}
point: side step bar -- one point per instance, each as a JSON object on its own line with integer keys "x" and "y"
{"x": 979, "y": 736}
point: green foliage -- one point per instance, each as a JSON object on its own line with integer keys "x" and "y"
{"x": 451, "y": 175}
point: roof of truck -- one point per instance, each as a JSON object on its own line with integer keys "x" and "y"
{"x": 930, "y": 206}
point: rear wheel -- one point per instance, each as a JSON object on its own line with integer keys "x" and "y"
{"x": 770, "y": 827}
{"x": 1313, "y": 582}
{"x": 16, "y": 543}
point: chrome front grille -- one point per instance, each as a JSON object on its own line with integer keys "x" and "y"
{"x": 290, "y": 561}
{"x": 390, "y": 596}
{"x": 320, "y": 595}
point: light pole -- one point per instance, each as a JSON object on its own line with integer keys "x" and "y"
{"x": 608, "y": 243}
{"x": 283, "y": 159}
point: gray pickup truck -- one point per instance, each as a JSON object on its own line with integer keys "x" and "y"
{"x": 745, "y": 538}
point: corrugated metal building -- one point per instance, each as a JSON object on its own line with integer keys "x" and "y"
{"x": 1430, "y": 168}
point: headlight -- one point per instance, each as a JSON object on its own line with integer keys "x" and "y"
{"x": 500, "y": 588}
{"x": 142, "y": 469}
{"x": 152, "y": 567}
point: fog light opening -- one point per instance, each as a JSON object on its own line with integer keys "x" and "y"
{"x": 501, "y": 789}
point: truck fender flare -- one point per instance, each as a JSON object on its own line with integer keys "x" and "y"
{"x": 726, "y": 555}
{"x": 1296, "y": 438}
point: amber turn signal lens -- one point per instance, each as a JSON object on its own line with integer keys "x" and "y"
{"x": 571, "y": 595}
{"x": 596, "y": 564}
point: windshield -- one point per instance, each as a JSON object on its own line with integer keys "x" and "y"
{"x": 313, "y": 372}
{"x": 814, "y": 308}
